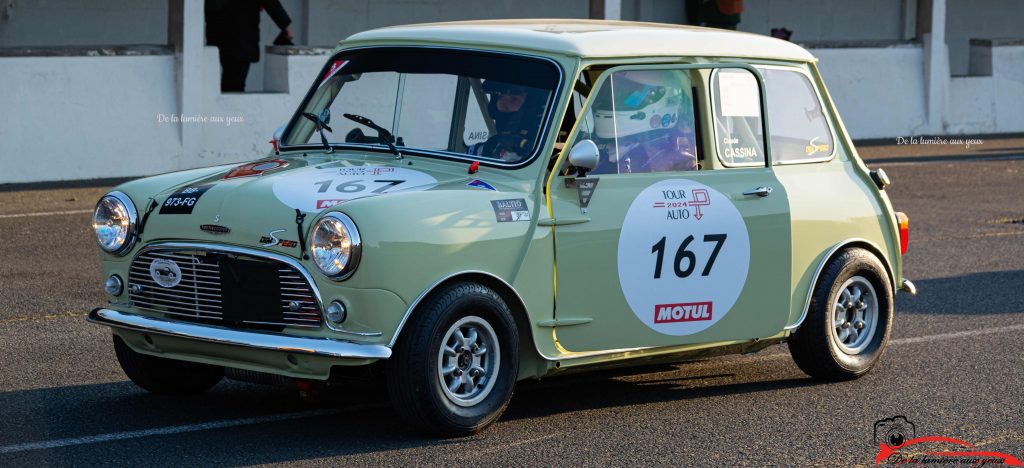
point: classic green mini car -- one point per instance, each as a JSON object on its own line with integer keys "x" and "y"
{"x": 465, "y": 205}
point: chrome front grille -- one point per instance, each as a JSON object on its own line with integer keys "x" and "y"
{"x": 203, "y": 293}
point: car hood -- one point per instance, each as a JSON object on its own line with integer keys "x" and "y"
{"x": 258, "y": 204}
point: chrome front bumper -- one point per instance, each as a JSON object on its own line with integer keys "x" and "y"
{"x": 325, "y": 347}
{"x": 907, "y": 286}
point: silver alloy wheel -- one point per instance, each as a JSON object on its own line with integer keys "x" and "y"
{"x": 468, "y": 361}
{"x": 855, "y": 315}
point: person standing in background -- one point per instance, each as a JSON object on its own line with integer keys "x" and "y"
{"x": 234, "y": 27}
{"x": 723, "y": 14}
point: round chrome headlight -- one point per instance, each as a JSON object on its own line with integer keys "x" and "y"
{"x": 335, "y": 246}
{"x": 114, "y": 223}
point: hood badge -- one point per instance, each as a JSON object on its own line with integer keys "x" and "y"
{"x": 256, "y": 168}
{"x": 165, "y": 272}
{"x": 214, "y": 228}
{"x": 272, "y": 240}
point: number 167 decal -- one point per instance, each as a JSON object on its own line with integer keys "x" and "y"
{"x": 684, "y": 255}
{"x": 355, "y": 186}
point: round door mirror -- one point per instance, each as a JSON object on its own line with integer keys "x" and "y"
{"x": 584, "y": 156}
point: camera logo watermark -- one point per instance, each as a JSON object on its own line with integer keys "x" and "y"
{"x": 898, "y": 444}
{"x": 894, "y": 431}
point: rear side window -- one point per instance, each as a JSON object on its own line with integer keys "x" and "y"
{"x": 738, "y": 128}
{"x": 797, "y": 124}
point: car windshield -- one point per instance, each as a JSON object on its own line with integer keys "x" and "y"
{"x": 484, "y": 106}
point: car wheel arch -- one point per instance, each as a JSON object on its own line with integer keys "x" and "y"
{"x": 515, "y": 302}
{"x": 830, "y": 255}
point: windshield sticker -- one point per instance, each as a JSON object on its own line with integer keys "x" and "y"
{"x": 813, "y": 147}
{"x": 738, "y": 95}
{"x": 184, "y": 200}
{"x": 507, "y": 211}
{"x": 319, "y": 189}
{"x": 683, "y": 256}
{"x": 481, "y": 185}
{"x": 335, "y": 67}
{"x": 256, "y": 168}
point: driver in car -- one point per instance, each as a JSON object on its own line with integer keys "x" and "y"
{"x": 644, "y": 122}
{"x": 516, "y": 114}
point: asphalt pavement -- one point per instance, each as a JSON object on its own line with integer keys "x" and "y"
{"x": 955, "y": 366}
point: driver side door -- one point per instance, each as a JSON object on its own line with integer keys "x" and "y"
{"x": 654, "y": 250}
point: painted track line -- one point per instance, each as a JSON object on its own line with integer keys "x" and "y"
{"x": 44, "y": 213}
{"x": 900, "y": 161}
{"x": 955, "y": 335}
{"x": 186, "y": 428}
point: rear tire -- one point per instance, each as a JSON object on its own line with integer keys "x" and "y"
{"x": 453, "y": 371}
{"x": 166, "y": 376}
{"x": 849, "y": 319}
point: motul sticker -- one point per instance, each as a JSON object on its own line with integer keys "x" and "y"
{"x": 683, "y": 312}
{"x": 683, "y": 256}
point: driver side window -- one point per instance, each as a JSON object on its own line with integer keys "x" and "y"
{"x": 642, "y": 121}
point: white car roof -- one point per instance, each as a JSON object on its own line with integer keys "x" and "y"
{"x": 589, "y": 38}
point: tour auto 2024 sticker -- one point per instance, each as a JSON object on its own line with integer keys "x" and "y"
{"x": 319, "y": 189}
{"x": 683, "y": 256}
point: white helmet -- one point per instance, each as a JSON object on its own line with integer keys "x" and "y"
{"x": 634, "y": 102}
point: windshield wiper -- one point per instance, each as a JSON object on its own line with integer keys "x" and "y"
{"x": 382, "y": 133}
{"x": 321, "y": 122}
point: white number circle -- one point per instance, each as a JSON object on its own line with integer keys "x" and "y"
{"x": 319, "y": 189}
{"x": 683, "y": 256}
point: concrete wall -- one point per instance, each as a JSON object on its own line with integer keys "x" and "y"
{"x": 80, "y": 117}
{"x": 827, "y": 20}
{"x": 87, "y": 117}
{"x": 980, "y": 19}
{"x": 324, "y": 22}
{"x": 984, "y": 104}
{"x": 82, "y": 22}
{"x": 84, "y": 117}
{"x": 879, "y": 91}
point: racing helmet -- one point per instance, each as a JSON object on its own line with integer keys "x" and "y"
{"x": 635, "y": 102}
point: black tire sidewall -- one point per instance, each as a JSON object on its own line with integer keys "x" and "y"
{"x": 420, "y": 353}
{"x": 858, "y": 263}
{"x": 502, "y": 389}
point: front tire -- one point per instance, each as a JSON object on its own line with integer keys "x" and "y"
{"x": 166, "y": 376}
{"x": 849, "y": 320}
{"x": 453, "y": 371}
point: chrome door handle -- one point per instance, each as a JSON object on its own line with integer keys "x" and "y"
{"x": 760, "y": 191}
